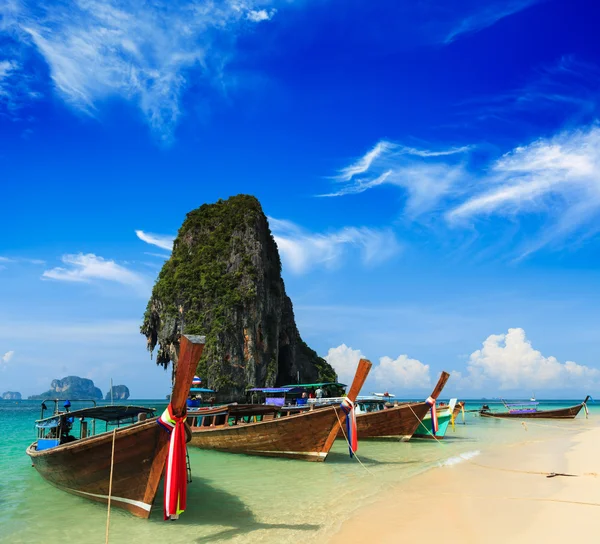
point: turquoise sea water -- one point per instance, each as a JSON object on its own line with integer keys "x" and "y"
{"x": 237, "y": 498}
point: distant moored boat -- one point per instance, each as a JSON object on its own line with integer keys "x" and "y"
{"x": 529, "y": 410}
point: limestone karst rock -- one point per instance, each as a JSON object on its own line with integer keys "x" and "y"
{"x": 72, "y": 388}
{"x": 119, "y": 392}
{"x": 223, "y": 280}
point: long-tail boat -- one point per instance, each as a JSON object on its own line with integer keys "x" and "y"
{"x": 269, "y": 430}
{"x": 445, "y": 415}
{"x": 529, "y": 410}
{"x": 82, "y": 465}
{"x": 401, "y": 420}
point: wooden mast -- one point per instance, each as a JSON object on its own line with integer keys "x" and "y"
{"x": 440, "y": 384}
{"x": 364, "y": 366}
{"x": 190, "y": 351}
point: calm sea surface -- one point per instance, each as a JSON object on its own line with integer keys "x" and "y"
{"x": 239, "y": 498}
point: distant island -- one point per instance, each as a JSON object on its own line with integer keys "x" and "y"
{"x": 72, "y": 388}
{"x": 11, "y": 395}
{"x": 119, "y": 392}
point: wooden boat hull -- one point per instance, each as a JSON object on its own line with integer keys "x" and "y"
{"x": 399, "y": 421}
{"x": 561, "y": 413}
{"x": 300, "y": 436}
{"x": 83, "y": 467}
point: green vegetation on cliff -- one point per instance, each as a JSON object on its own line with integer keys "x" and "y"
{"x": 223, "y": 280}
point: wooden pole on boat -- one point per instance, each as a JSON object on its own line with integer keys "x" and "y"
{"x": 190, "y": 351}
{"x": 191, "y": 347}
{"x": 364, "y": 366}
{"x": 439, "y": 386}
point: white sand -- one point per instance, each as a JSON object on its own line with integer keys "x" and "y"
{"x": 496, "y": 497}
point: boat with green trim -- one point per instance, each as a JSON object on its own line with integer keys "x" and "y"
{"x": 445, "y": 415}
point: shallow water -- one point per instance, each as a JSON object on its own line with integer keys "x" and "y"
{"x": 239, "y": 498}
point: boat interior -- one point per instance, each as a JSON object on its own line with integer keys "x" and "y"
{"x": 63, "y": 427}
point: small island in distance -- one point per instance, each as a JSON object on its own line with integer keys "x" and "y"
{"x": 119, "y": 392}
{"x": 11, "y": 395}
{"x": 71, "y": 387}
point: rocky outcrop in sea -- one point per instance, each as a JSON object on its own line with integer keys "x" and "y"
{"x": 72, "y": 388}
{"x": 11, "y": 395}
{"x": 119, "y": 392}
{"x": 224, "y": 280}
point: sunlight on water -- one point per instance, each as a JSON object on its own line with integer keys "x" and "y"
{"x": 240, "y": 498}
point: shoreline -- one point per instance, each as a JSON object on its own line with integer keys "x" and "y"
{"x": 502, "y": 494}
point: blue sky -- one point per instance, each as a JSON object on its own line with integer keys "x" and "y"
{"x": 431, "y": 171}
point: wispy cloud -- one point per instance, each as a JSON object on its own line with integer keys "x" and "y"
{"x": 163, "y": 241}
{"x": 486, "y": 16}
{"x": 302, "y": 250}
{"x": 89, "y": 267}
{"x": 15, "y": 85}
{"x": 159, "y": 255}
{"x": 101, "y": 49}
{"x": 558, "y": 175}
{"x": 21, "y": 260}
{"x": 567, "y": 89}
{"x": 426, "y": 175}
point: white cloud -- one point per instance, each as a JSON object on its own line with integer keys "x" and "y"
{"x": 257, "y": 16}
{"x": 302, "y": 250}
{"x": 344, "y": 360}
{"x": 89, "y": 267}
{"x": 14, "y": 85}
{"x": 148, "y": 54}
{"x": 159, "y": 255}
{"x": 426, "y": 176}
{"x": 401, "y": 373}
{"x": 509, "y": 361}
{"x": 487, "y": 17}
{"x": 558, "y": 175}
{"x": 22, "y": 260}
{"x": 160, "y": 240}
{"x": 7, "y": 357}
{"x": 6, "y": 67}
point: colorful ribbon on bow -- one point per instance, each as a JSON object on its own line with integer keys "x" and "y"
{"x": 434, "y": 419}
{"x": 175, "y": 471}
{"x": 347, "y": 407}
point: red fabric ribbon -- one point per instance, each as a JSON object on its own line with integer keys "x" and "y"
{"x": 175, "y": 469}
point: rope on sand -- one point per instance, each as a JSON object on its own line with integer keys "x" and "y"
{"x": 112, "y": 464}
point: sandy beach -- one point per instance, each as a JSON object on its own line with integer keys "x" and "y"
{"x": 497, "y": 496}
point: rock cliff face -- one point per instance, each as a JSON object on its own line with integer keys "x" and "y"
{"x": 119, "y": 392}
{"x": 11, "y": 395}
{"x": 223, "y": 280}
{"x": 72, "y": 388}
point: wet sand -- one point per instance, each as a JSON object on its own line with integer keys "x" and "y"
{"x": 500, "y": 496}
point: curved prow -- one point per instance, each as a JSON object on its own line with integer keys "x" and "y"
{"x": 439, "y": 386}
{"x": 586, "y": 399}
{"x": 190, "y": 351}
{"x": 364, "y": 366}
